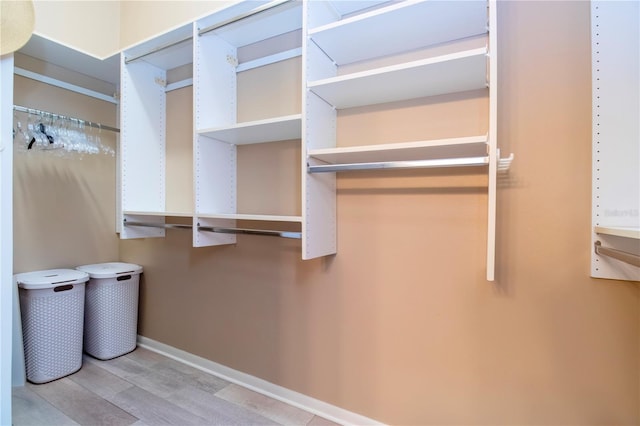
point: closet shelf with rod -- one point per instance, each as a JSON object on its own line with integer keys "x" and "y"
{"x": 629, "y": 236}
{"x": 159, "y": 214}
{"x": 244, "y": 216}
{"x": 451, "y": 152}
{"x": 44, "y": 130}
{"x": 217, "y": 229}
{"x": 623, "y": 256}
{"x": 53, "y": 115}
{"x": 351, "y": 55}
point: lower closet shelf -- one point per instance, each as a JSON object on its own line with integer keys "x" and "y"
{"x": 165, "y": 214}
{"x": 259, "y": 217}
{"x": 216, "y": 229}
{"x": 451, "y": 152}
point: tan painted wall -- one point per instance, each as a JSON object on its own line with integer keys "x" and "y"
{"x": 136, "y": 25}
{"x": 64, "y": 206}
{"x": 92, "y": 27}
{"x": 401, "y": 325}
{"x": 102, "y": 28}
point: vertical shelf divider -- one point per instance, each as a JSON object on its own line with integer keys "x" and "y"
{"x": 492, "y": 142}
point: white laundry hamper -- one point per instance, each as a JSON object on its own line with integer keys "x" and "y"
{"x": 111, "y": 309}
{"x": 52, "y": 313}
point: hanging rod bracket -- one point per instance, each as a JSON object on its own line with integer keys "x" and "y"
{"x": 623, "y": 256}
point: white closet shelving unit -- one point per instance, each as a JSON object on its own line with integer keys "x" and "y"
{"x": 379, "y": 52}
{"x": 354, "y": 54}
{"x": 143, "y": 130}
{"x": 615, "y": 251}
{"x": 218, "y": 132}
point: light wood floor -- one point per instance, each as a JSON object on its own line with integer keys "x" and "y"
{"x": 145, "y": 388}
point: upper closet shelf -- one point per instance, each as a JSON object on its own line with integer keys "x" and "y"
{"x": 457, "y": 72}
{"x": 619, "y": 231}
{"x": 260, "y": 131}
{"x": 399, "y": 28}
{"x": 266, "y": 21}
{"x": 472, "y": 146}
{"x": 167, "y": 51}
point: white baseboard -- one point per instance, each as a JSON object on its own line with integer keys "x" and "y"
{"x": 296, "y": 399}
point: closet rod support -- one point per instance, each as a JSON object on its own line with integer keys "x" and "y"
{"x": 447, "y": 162}
{"x": 623, "y": 256}
{"x": 245, "y": 15}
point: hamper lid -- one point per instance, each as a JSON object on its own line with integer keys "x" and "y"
{"x": 110, "y": 269}
{"x": 50, "y": 278}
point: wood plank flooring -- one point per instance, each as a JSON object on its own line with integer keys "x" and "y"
{"x": 144, "y": 388}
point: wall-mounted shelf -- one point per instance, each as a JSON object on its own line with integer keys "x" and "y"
{"x": 162, "y": 214}
{"x": 143, "y": 111}
{"x": 226, "y": 50}
{"x": 619, "y": 231}
{"x": 161, "y": 227}
{"x": 379, "y": 53}
{"x": 259, "y": 131}
{"x": 473, "y": 146}
{"x": 456, "y": 72}
{"x": 254, "y": 25}
{"x": 256, "y": 217}
{"x": 339, "y": 55}
{"x": 413, "y": 24}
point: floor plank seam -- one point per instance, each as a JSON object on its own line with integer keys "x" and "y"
{"x": 146, "y": 388}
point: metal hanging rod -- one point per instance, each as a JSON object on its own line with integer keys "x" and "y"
{"x": 64, "y": 117}
{"x": 447, "y": 162}
{"x": 245, "y": 15}
{"x": 157, "y": 49}
{"x": 222, "y": 230}
{"x": 630, "y": 258}
{"x": 503, "y": 164}
{"x": 157, "y": 225}
{"x": 248, "y": 231}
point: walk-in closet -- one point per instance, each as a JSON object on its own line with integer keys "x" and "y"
{"x": 413, "y": 212}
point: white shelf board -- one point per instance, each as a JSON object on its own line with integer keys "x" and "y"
{"x": 354, "y": 6}
{"x": 457, "y": 72}
{"x": 141, "y": 213}
{"x": 619, "y": 231}
{"x": 260, "y": 131}
{"x": 472, "y": 146}
{"x": 400, "y": 27}
{"x": 262, "y": 217}
{"x": 278, "y": 20}
{"x": 169, "y": 55}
